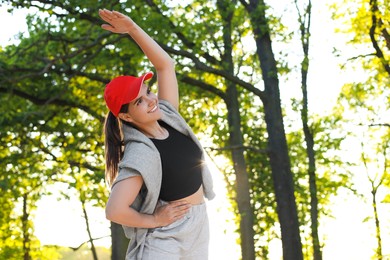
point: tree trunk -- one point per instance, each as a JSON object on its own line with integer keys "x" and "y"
{"x": 277, "y": 144}
{"x": 119, "y": 242}
{"x": 379, "y": 254}
{"x": 93, "y": 249}
{"x": 283, "y": 182}
{"x": 317, "y": 254}
{"x": 242, "y": 182}
{"x": 26, "y": 235}
{"x": 243, "y": 198}
{"x": 305, "y": 21}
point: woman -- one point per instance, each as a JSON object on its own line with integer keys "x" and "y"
{"x": 157, "y": 177}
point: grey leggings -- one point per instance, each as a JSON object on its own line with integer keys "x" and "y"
{"x": 185, "y": 239}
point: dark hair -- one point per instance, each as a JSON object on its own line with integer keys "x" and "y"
{"x": 113, "y": 143}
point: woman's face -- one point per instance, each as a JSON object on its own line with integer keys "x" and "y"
{"x": 144, "y": 109}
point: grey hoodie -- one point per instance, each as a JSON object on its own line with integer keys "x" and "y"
{"x": 142, "y": 157}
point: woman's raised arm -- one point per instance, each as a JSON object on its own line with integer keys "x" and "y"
{"x": 163, "y": 63}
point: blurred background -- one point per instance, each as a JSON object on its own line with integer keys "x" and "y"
{"x": 290, "y": 100}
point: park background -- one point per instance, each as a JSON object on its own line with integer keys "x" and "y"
{"x": 348, "y": 105}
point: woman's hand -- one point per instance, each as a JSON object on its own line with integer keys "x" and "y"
{"x": 117, "y": 22}
{"x": 170, "y": 212}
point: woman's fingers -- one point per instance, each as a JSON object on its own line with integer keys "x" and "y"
{"x": 117, "y": 22}
{"x": 104, "y": 15}
{"x": 118, "y": 14}
{"x": 180, "y": 205}
{"x": 108, "y": 27}
{"x": 172, "y": 212}
{"x": 180, "y": 208}
{"x": 108, "y": 15}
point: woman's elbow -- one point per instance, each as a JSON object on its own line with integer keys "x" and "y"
{"x": 168, "y": 64}
{"x": 111, "y": 213}
{"x": 172, "y": 62}
{"x": 108, "y": 214}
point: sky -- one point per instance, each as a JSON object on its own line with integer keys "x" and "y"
{"x": 345, "y": 235}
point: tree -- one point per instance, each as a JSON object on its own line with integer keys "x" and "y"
{"x": 21, "y": 183}
{"x": 45, "y": 129}
{"x": 74, "y": 58}
{"x": 368, "y": 25}
{"x": 305, "y": 22}
{"x": 376, "y": 175}
{"x": 277, "y": 144}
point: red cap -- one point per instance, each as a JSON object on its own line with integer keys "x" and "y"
{"x": 122, "y": 90}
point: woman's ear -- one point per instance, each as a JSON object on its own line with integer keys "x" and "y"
{"x": 126, "y": 117}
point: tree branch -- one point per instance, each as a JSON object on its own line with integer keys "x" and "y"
{"x": 178, "y": 31}
{"x": 201, "y": 84}
{"x": 357, "y": 57}
{"x": 236, "y": 147}
{"x": 380, "y": 124}
{"x": 93, "y": 239}
{"x": 203, "y": 67}
{"x": 385, "y": 34}
{"x": 244, "y": 3}
{"x": 379, "y": 53}
{"x": 54, "y": 101}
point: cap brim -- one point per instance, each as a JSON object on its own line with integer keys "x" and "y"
{"x": 140, "y": 80}
{"x": 147, "y": 76}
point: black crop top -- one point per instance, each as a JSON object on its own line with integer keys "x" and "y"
{"x": 181, "y": 165}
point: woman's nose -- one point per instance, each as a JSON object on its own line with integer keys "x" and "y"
{"x": 150, "y": 101}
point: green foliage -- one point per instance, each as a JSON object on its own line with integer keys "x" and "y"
{"x": 369, "y": 98}
{"x": 368, "y": 23}
{"x": 51, "y": 125}
{"x": 331, "y": 174}
{"x": 52, "y": 82}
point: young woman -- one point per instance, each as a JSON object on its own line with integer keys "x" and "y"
{"x": 154, "y": 163}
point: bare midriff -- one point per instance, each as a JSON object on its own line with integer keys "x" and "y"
{"x": 195, "y": 198}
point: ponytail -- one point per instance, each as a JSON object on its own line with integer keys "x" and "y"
{"x": 112, "y": 146}
{"x": 113, "y": 143}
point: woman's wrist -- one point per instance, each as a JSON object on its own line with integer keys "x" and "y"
{"x": 156, "y": 223}
{"x": 133, "y": 29}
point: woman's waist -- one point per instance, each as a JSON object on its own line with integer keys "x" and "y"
{"x": 195, "y": 198}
